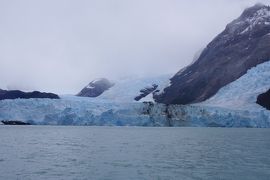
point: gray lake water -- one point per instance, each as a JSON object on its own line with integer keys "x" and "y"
{"x": 54, "y": 152}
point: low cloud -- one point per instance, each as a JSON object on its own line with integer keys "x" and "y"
{"x": 62, "y": 45}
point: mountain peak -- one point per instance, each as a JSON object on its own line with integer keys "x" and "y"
{"x": 96, "y": 88}
{"x": 253, "y": 9}
{"x": 255, "y": 17}
{"x": 256, "y": 11}
{"x": 243, "y": 44}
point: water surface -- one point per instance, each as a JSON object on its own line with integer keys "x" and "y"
{"x": 57, "y": 152}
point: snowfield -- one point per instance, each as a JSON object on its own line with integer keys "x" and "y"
{"x": 233, "y": 106}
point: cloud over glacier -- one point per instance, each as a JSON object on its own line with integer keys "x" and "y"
{"x": 62, "y": 45}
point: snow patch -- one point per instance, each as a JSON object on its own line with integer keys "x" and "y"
{"x": 262, "y": 16}
{"x": 90, "y": 86}
{"x": 162, "y": 87}
{"x": 148, "y": 98}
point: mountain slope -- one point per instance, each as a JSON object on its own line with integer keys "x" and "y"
{"x": 96, "y": 88}
{"x": 242, "y": 45}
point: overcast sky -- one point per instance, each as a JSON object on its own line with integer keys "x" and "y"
{"x": 61, "y": 45}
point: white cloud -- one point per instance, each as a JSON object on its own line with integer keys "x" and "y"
{"x": 62, "y": 45}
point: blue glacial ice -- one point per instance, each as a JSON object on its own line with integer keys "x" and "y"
{"x": 233, "y": 106}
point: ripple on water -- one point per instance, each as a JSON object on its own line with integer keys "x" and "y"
{"x": 134, "y": 153}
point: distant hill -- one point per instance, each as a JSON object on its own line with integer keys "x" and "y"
{"x": 15, "y": 94}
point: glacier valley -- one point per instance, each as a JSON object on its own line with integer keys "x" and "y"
{"x": 233, "y": 106}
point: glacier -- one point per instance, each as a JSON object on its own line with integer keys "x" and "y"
{"x": 233, "y": 106}
{"x": 242, "y": 93}
{"x": 71, "y": 110}
{"x": 114, "y": 107}
{"x": 126, "y": 89}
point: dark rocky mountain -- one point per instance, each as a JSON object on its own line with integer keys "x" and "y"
{"x": 15, "y": 94}
{"x": 243, "y": 44}
{"x": 95, "y": 88}
{"x": 146, "y": 91}
{"x": 264, "y": 99}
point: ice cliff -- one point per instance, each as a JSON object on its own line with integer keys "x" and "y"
{"x": 233, "y": 106}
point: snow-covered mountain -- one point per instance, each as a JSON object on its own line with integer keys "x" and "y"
{"x": 95, "y": 88}
{"x": 227, "y": 86}
{"x": 233, "y": 106}
{"x": 244, "y": 44}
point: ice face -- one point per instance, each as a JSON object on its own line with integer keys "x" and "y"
{"x": 233, "y": 106}
{"x": 115, "y": 107}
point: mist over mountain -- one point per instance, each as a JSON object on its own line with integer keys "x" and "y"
{"x": 243, "y": 44}
{"x": 60, "y": 46}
